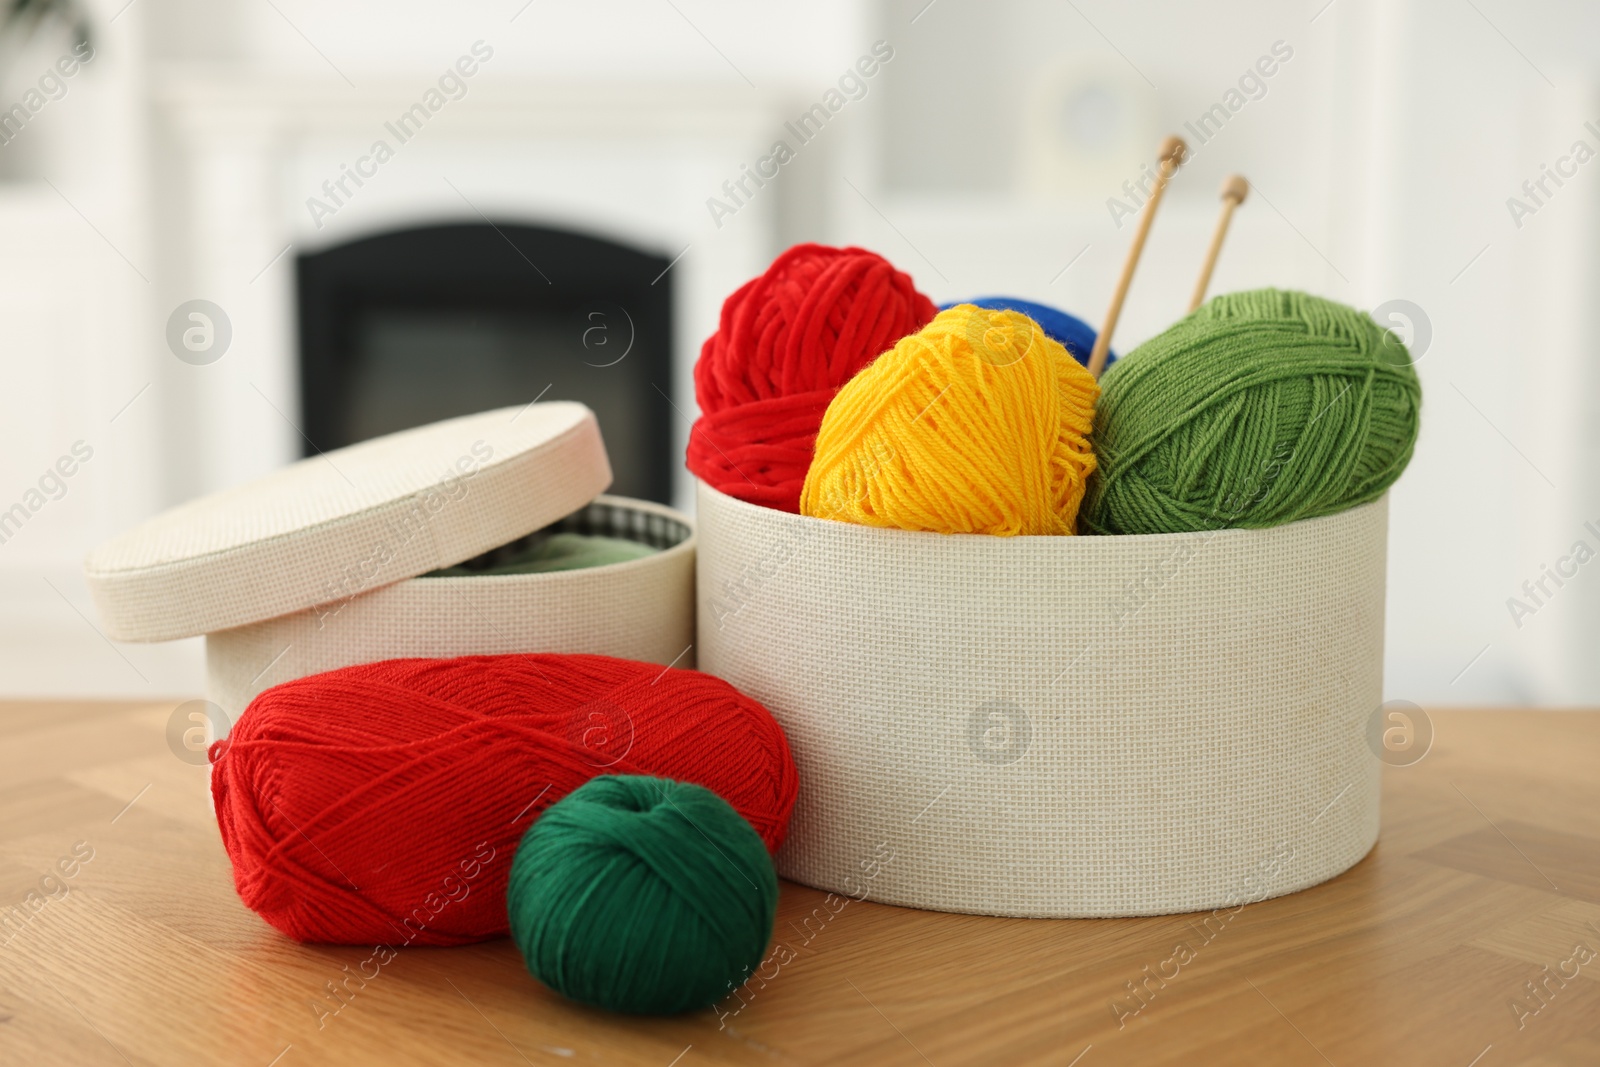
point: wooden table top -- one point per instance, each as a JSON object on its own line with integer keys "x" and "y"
{"x": 1470, "y": 937}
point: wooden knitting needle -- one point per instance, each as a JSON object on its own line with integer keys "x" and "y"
{"x": 1234, "y": 190}
{"x": 1170, "y": 156}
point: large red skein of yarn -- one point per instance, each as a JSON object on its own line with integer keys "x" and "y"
{"x": 787, "y": 341}
{"x": 381, "y": 804}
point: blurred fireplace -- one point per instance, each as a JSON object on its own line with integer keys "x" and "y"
{"x": 416, "y": 325}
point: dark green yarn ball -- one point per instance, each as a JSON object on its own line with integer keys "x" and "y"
{"x": 642, "y": 895}
{"x": 1258, "y": 409}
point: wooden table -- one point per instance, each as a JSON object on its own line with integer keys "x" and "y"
{"x": 1486, "y": 878}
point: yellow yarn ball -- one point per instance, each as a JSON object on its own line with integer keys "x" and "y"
{"x": 977, "y": 424}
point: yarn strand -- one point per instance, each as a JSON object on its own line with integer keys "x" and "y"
{"x": 354, "y": 804}
{"x": 976, "y": 424}
{"x": 1260, "y": 408}
{"x": 785, "y": 343}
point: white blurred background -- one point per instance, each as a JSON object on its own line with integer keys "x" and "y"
{"x": 1383, "y": 148}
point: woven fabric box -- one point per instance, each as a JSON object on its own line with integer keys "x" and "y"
{"x": 1059, "y": 726}
{"x": 326, "y": 563}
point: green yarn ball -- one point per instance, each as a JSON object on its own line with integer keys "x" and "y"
{"x": 642, "y": 895}
{"x": 1260, "y": 408}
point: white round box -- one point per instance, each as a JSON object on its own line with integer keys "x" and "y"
{"x": 1058, "y": 726}
{"x": 642, "y": 609}
{"x": 326, "y": 563}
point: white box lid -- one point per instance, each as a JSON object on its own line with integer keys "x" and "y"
{"x": 346, "y": 522}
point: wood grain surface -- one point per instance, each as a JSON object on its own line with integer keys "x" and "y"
{"x": 1470, "y": 937}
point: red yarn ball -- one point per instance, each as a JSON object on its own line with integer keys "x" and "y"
{"x": 381, "y": 804}
{"x": 786, "y": 343}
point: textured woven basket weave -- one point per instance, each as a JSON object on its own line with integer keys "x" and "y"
{"x": 1059, "y": 727}
{"x": 642, "y": 609}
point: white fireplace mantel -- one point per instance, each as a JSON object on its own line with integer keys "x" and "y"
{"x": 634, "y": 164}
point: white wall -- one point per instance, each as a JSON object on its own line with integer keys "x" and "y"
{"x": 76, "y": 312}
{"x": 1383, "y": 153}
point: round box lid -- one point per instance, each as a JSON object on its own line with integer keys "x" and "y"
{"x": 337, "y": 525}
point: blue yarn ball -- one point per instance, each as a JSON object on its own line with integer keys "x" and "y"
{"x": 1071, "y": 332}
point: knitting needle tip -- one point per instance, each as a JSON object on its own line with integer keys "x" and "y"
{"x": 1234, "y": 189}
{"x": 1169, "y": 157}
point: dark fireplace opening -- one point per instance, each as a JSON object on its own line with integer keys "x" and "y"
{"x": 412, "y": 326}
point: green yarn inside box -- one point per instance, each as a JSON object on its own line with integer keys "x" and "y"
{"x": 554, "y": 552}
